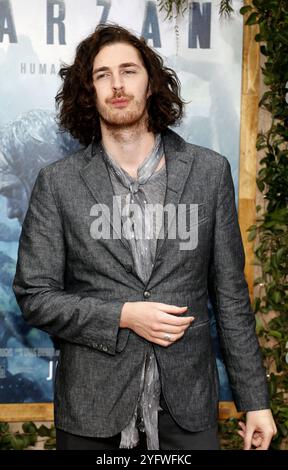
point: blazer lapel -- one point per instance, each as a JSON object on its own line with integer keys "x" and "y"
{"x": 178, "y": 165}
{"x": 96, "y": 177}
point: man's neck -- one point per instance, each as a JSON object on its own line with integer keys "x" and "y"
{"x": 128, "y": 147}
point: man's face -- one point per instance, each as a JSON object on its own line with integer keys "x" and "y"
{"x": 121, "y": 83}
{"x": 17, "y": 201}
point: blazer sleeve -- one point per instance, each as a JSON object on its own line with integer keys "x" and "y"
{"x": 230, "y": 297}
{"x": 39, "y": 280}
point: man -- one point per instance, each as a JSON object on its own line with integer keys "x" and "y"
{"x": 130, "y": 311}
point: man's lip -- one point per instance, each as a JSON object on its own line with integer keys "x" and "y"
{"x": 119, "y": 101}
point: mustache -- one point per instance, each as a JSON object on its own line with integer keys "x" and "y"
{"x": 119, "y": 94}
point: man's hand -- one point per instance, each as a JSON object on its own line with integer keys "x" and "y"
{"x": 258, "y": 430}
{"x": 154, "y": 320}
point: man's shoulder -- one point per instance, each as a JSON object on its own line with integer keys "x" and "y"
{"x": 203, "y": 156}
{"x": 67, "y": 164}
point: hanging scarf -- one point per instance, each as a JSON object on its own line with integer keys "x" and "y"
{"x": 147, "y": 407}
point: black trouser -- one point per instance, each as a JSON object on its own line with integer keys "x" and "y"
{"x": 171, "y": 437}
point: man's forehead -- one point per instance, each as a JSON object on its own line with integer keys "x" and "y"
{"x": 116, "y": 54}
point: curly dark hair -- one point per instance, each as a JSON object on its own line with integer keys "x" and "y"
{"x": 76, "y": 97}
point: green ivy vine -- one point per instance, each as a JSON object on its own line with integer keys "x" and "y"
{"x": 29, "y": 437}
{"x": 271, "y": 228}
{"x": 174, "y": 8}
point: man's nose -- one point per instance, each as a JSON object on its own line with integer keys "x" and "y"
{"x": 117, "y": 82}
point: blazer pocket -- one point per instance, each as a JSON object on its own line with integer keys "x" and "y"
{"x": 122, "y": 339}
{"x": 196, "y": 324}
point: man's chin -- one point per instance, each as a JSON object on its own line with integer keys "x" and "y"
{"x": 122, "y": 122}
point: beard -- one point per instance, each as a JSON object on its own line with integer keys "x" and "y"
{"x": 133, "y": 115}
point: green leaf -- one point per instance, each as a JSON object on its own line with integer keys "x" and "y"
{"x": 263, "y": 50}
{"x": 6, "y": 439}
{"x": 43, "y": 431}
{"x": 258, "y": 37}
{"x": 261, "y": 185}
{"x": 26, "y": 440}
{"x": 4, "y": 427}
{"x": 252, "y": 227}
{"x": 17, "y": 442}
{"x": 259, "y": 325}
{"x": 252, "y": 235}
{"x": 29, "y": 427}
{"x": 252, "y": 19}
{"x": 276, "y": 296}
{"x": 275, "y": 334}
{"x": 272, "y": 388}
{"x": 256, "y": 305}
{"x": 280, "y": 254}
{"x": 50, "y": 444}
{"x": 245, "y": 9}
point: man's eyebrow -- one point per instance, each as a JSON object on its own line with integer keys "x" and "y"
{"x": 125, "y": 64}
{"x": 129, "y": 64}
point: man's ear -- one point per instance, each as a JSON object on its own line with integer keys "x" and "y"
{"x": 149, "y": 92}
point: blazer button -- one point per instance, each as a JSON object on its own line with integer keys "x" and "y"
{"x": 146, "y": 294}
{"x": 105, "y": 349}
{"x": 128, "y": 268}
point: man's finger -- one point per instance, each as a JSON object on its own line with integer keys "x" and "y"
{"x": 172, "y": 308}
{"x": 170, "y": 329}
{"x": 176, "y": 321}
{"x": 248, "y": 438}
{"x": 265, "y": 441}
{"x": 242, "y": 425}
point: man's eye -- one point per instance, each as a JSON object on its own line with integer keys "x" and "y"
{"x": 103, "y": 75}
{"x": 129, "y": 71}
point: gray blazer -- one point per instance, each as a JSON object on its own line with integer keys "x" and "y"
{"x": 73, "y": 287}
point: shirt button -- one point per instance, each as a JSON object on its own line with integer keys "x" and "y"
{"x": 146, "y": 294}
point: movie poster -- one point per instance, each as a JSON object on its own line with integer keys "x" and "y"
{"x": 36, "y": 36}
